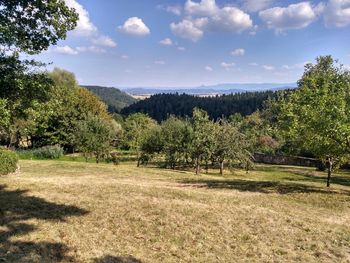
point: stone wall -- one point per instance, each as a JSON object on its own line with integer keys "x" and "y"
{"x": 286, "y": 160}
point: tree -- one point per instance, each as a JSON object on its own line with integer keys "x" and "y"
{"x": 28, "y": 27}
{"x": 317, "y": 115}
{"x": 260, "y": 132}
{"x": 135, "y": 127}
{"x": 68, "y": 104}
{"x": 32, "y": 26}
{"x": 94, "y": 135}
{"x": 152, "y": 143}
{"x": 177, "y": 137}
{"x": 230, "y": 145}
{"x": 201, "y": 136}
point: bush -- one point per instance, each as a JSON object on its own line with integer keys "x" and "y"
{"x": 49, "y": 152}
{"x": 46, "y": 152}
{"x": 8, "y": 162}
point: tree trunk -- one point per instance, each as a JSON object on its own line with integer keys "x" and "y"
{"x": 222, "y": 167}
{"x": 138, "y": 159}
{"x": 197, "y": 165}
{"x": 206, "y": 166}
{"x": 330, "y": 168}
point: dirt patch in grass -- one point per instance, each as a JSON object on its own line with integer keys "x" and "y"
{"x": 76, "y": 212}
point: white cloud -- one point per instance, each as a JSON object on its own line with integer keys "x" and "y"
{"x": 253, "y": 64}
{"x": 208, "y": 68}
{"x": 135, "y": 26}
{"x": 181, "y": 48}
{"x": 206, "y": 15}
{"x": 64, "y": 50}
{"x": 227, "y": 66}
{"x": 166, "y": 42}
{"x": 74, "y": 51}
{"x": 104, "y": 41}
{"x": 125, "y": 57}
{"x": 203, "y": 8}
{"x": 84, "y": 26}
{"x": 295, "y": 16}
{"x": 92, "y": 49}
{"x": 256, "y": 5}
{"x": 159, "y": 62}
{"x": 174, "y": 9}
{"x": 187, "y": 29}
{"x": 230, "y": 19}
{"x": 337, "y": 13}
{"x": 268, "y": 67}
{"x": 295, "y": 66}
{"x": 238, "y": 52}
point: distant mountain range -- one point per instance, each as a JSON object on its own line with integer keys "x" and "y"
{"x": 226, "y": 88}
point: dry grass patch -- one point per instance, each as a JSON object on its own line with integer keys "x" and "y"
{"x": 77, "y": 212}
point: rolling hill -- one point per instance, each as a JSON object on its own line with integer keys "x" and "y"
{"x": 115, "y": 99}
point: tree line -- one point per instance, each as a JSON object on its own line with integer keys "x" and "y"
{"x": 161, "y": 106}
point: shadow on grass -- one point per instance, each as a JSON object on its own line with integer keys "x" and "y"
{"x": 261, "y": 186}
{"x": 311, "y": 177}
{"x": 112, "y": 259}
{"x": 15, "y": 208}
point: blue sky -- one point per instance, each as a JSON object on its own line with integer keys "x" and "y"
{"x": 177, "y": 43}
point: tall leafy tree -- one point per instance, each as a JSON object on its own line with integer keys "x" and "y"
{"x": 202, "y": 140}
{"x": 28, "y": 27}
{"x": 68, "y": 104}
{"x": 230, "y": 145}
{"x": 317, "y": 115}
{"x": 177, "y": 137}
{"x": 136, "y": 126}
{"x": 33, "y": 25}
{"x": 94, "y": 136}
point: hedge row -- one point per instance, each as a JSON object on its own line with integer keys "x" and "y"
{"x": 46, "y": 152}
{"x": 8, "y": 162}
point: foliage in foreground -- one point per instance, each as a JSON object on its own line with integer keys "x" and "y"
{"x": 8, "y": 162}
{"x": 316, "y": 116}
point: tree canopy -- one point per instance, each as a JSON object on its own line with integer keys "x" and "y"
{"x": 33, "y": 25}
{"x": 317, "y": 115}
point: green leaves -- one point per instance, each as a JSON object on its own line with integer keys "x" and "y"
{"x": 94, "y": 135}
{"x": 32, "y": 26}
{"x": 316, "y": 116}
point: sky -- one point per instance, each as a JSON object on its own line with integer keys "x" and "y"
{"x": 187, "y": 43}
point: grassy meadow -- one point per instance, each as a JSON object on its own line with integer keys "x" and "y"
{"x": 58, "y": 211}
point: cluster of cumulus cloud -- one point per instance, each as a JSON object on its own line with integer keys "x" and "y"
{"x": 207, "y": 16}
{"x": 198, "y": 17}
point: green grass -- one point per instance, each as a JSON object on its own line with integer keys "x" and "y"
{"x": 57, "y": 211}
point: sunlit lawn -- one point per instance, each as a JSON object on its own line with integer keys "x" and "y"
{"x": 55, "y": 211}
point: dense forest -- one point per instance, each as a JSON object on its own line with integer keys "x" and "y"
{"x": 160, "y": 106}
{"x": 114, "y": 98}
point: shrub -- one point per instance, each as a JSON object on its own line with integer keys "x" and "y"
{"x": 8, "y": 162}
{"x": 49, "y": 152}
{"x": 46, "y": 152}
